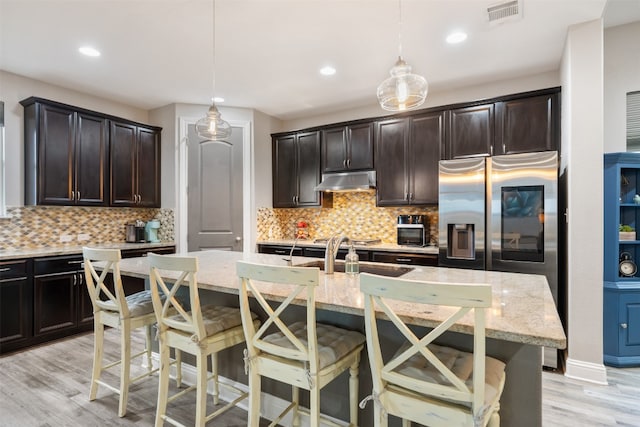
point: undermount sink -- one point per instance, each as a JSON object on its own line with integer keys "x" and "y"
{"x": 381, "y": 270}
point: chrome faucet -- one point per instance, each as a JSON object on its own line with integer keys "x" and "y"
{"x": 330, "y": 254}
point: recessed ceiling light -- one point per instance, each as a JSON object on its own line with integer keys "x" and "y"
{"x": 327, "y": 71}
{"x": 218, "y": 99}
{"x": 89, "y": 51}
{"x": 456, "y": 37}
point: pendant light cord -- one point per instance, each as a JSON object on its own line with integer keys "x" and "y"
{"x": 399, "y": 28}
{"x": 213, "y": 62}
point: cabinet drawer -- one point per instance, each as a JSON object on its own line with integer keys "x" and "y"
{"x": 405, "y": 258}
{"x": 13, "y": 269}
{"x": 133, "y": 253}
{"x": 59, "y": 264}
{"x": 279, "y": 250}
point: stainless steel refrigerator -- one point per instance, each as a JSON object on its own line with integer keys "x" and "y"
{"x": 501, "y": 213}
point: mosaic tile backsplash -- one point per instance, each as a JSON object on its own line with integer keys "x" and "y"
{"x": 354, "y": 214}
{"x": 33, "y": 227}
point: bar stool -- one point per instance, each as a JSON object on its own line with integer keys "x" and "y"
{"x": 303, "y": 354}
{"x": 112, "y": 308}
{"x": 423, "y": 382}
{"x": 202, "y": 331}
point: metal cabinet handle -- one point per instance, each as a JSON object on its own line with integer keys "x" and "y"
{"x": 280, "y": 252}
{"x": 403, "y": 259}
{"x": 73, "y": 195}
{"x": 623, "y": 325}
{"x": 75, "y": 279}
{"x": 348, "y": 163}
{"x": 80, "y": 277}
{"x": 2, "y": 270}
{"x": 78, "y": 196}
{"x": 344, "y": 163}
{"x": 75, "y": 262}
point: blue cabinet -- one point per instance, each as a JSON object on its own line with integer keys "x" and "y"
{"x": 621, "y": 314}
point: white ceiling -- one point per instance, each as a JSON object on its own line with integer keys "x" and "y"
{"x": 268, "y": 52}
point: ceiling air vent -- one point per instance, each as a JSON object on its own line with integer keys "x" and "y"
{"x": 505, "y": 11}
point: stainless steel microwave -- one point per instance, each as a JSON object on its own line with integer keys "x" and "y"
{"x": 412, "y": 230}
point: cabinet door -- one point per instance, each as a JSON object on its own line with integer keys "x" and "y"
{"x": 16, "y": 304}
{"x": 85, "y": 306}
{"x": 334, "y": 149}
{"x": 470, "y": 132}
{"x": 527, "y": 125}
{"x": 91, "y": 160}
{"x": 123, "y": 171}
{"x": 148, "y": 167}
{"x": 629, "y": 340}
{"x": 426, "y": 136}
{"x": 308, "y": 169}
{"x": 55, "y": 157}
{"x": 54, "y": 303}
{"x": 360, "y": 146}
{"x": 285, "y": 182}
{"x": 391, "y": 145}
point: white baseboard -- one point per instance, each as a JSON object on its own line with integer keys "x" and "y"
{"x": 586, "y": 371}
{"x": 270, "y": 406}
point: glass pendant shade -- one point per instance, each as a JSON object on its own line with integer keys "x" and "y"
{"x": 212, "y": 126}
{"x": 403, "y": 90}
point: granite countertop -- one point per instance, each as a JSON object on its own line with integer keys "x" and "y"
{"x": 523, "y": 310}
{"x": 9, "y": 254}
{"x": 387, "y": 247}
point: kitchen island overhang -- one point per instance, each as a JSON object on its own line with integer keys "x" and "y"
{"x": 523, "y": 318}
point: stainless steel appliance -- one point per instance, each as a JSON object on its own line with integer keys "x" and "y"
{"x": 412, "y": 230}
{"x": 501, "y": 213}
{"x": 134, "y": 232}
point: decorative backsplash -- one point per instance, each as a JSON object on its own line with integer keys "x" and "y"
{"x": 354, "y": 214}
{"x": 32, "y": 227}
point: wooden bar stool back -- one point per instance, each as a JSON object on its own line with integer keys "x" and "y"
{"x": 423, "y": 382}
{"x": 187, "y": 326}
{"x": 112, "y": 308}
{"x": 303, "y": 354}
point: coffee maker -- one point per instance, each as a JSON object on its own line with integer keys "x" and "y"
{"x": 151, "y": 231}
{"x": 134, "y": 232}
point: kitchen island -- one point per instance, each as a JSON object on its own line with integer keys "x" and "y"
{"x": 523, "y": 318}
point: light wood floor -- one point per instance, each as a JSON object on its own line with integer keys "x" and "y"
{"x": 48, "y": 386}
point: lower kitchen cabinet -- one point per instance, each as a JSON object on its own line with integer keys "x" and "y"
{"x": 61, "y": 304}
{"x": 363, "y": 255}
{"x": 279, "y": 250}
{"x": 621, "y": 324}
{"x": 16, "y": 304}
{"x": 46, "y": 298}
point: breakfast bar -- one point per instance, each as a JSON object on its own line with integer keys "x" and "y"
{"x": 523, "y": 318}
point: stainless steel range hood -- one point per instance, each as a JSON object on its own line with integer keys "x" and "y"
{"x": 347, "y": 181}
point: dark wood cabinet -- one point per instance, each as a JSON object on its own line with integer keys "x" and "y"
{"x": 527, "y": 124}
{"x": 347, "y": 147}
{"x": 410, "y": 148}
{"x": 296, "y": 170}
{"x": 65, "y": 155}
{"x": 61, "y": 301}
{"x": 16, "y": 304}
{"x": 135, "y": 165}
{"x": 471, "y": 131}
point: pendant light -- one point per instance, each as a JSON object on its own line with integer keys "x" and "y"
{"x": 403, "y": 90}
{"x": 212, "y": 127}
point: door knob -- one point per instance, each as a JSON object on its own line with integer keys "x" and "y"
{"x": 623, "y": 325}
{"x": 238, "y": 239}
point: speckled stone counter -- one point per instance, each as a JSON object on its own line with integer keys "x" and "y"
{"x": 71, "y": 250}
{"x": 523, "y": 310}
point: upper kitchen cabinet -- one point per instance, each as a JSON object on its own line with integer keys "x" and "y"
{"x": 410, "y": 148}
{"x": 65, "y": 155}
{"x": 527, "y": 124}
{"x": 347, "y": 147}
{"x": 471, "y": 132}
{"x": 519, "y": 123}
{"x": 135, "y": 165}
{"x": 296, "y": 170}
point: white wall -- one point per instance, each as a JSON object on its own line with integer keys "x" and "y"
{"x": 582, "y": 147}
{"x": 436, "y": 98}
{"x": 621, "y": 75}
{"x": 13, "y": 89}
{"x": 168, "y": 174}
